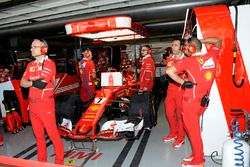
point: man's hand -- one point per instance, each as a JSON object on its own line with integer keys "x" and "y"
{"x": 39, "y": 84}
{"x": 188, "y": 84}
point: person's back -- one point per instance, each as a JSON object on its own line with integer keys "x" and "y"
{"x": 87, "y": 74}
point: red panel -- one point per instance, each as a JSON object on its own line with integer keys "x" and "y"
{"x": 22, "y": 102}
{"x": 215, "y": 21}
{"x": 67, "y": 83}
{"x": 18, "y": 162}
{"x": 94, "y": 25}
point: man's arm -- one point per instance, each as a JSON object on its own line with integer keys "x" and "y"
{"x": 212, "y": 40}
{"x": 25, "y": 83}
{"x": 171, "y": 72}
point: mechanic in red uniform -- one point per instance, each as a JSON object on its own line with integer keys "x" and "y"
{"x": 39, "y": 77}
{"x": 173, "y": 102}
{"x": 147, "y": 71}
{"x": 87, "y": 74}
{"x": 200, "y": 68}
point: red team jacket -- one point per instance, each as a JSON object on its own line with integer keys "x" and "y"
{"x": 147, "y": 73}
{"x": 45, "y": 69}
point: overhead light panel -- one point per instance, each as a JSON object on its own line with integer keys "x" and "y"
{"x": 108, "y": 29}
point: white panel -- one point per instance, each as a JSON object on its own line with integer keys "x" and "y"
{"x": 123, "y": 22}
{"x": 68, "y": 29}
{"x": 243, "y": 33}
{"x": 115, "y": 76}
{"x": 215, "y": 129}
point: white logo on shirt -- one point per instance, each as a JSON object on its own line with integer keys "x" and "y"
{"x": 83, "y": 65}
{"x": 208, "y": 64}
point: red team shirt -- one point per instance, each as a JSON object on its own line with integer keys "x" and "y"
{"x": 147, "y": 73}
{"x": 201, "y": 73}
{"x": 45, "y": 69}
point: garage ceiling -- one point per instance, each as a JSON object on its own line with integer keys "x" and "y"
{"x": 46, "y": 18}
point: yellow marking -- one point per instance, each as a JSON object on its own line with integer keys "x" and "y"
{"x": 89, "y": 116}
{"x": 94, "y": 107}
{"x": 208, "y": 75}
{"x": 201, "y": 61}
{"x": 127, "y": 92}
{"x": 70, "y": 162}
{"x": 32, "y": 69}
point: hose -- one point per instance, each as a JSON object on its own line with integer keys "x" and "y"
{"x": 212, "y": 157}
{"x": 235, "y": 51}
{"x": 239, "y": 158}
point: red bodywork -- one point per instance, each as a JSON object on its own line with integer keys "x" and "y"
{"x": 215, "y": 21}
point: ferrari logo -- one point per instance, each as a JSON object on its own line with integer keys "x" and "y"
{"x": 208, "y": 75}
{"x": 32, "y": 69}
{"x": 127, "y": 91}
{"x": 201, "y": 61}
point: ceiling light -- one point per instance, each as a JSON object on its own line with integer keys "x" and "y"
{"x": 108, "y": 29}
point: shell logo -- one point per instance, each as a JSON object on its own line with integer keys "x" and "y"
{"x": 94, "y": 107}
{"x": 208, "y": 75}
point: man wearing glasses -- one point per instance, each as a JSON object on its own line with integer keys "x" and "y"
{"x": 39, "y": 77}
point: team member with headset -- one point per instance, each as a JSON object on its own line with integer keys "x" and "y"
{"x": 200, "y": 68}
{"x": 173, "y": 100}
{"x": 146, "y": 78}
{"x": 87, "y": 72}
{"x": 39, "y": 77}
{"x": 147, "y": 71}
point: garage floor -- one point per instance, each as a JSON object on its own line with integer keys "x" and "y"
{"x": 149, "y": 150}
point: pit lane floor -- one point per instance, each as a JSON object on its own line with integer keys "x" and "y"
{"x": 149, "y": 150}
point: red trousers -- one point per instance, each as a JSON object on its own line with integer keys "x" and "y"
{"x": 192, "y": 111}
{"x": 42, "y": 116}
{"x": 173, "y": 105}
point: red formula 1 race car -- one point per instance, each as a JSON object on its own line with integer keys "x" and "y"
{"x": 113, "y": 90}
